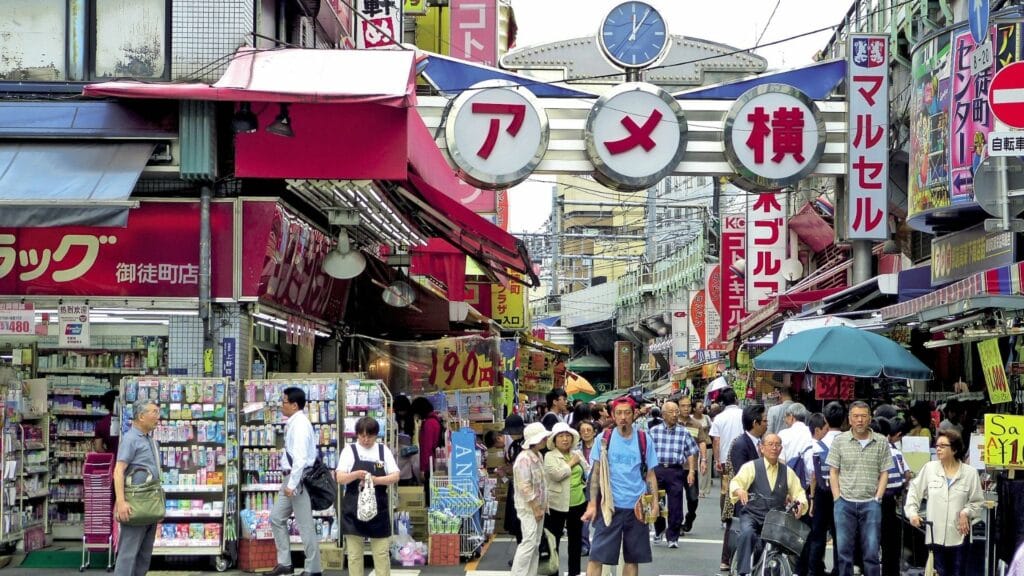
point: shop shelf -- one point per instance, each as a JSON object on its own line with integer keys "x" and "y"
{"x": 78, "y": 412}
{"x": 180, "y": 488}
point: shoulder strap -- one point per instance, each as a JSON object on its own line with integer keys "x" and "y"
{"x": 642, "y": 441}
{"x": 606, "y": 438}
{"x": 380, "y": 449}
{"x": 355, "y": 453}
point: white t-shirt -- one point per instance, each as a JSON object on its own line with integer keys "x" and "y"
{"x": 347, "y": 460}
{"x": 797, "y": 440}
{"x": 727, "y": 426}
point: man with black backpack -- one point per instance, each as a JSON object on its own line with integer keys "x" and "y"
{"x": 623, "y": 472}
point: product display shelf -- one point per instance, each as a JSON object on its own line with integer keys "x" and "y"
{"x": 10, "y": 464}
{"x": 262, "y": 439}
{"x": 198, "y": 454}
{"x": 75, "y": 410}
{"x": 35, "y": 471}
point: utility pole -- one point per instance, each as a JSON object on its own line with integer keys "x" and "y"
{"x": 556, "y": 245}
{"x": 714, "y": 226}
{"x": 651, "y": 247}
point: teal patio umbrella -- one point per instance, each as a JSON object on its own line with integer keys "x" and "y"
{"x": 844, "y": 351}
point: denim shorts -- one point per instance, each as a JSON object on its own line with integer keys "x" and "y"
{"x": 625, "y": 533}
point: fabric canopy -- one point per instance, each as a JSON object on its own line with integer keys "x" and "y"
{"x": 49, "y": 184}
{"x": 386, "y": 77}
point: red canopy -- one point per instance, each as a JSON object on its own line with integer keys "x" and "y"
{"x": 386, "y": 77}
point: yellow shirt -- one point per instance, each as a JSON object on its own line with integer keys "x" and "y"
{"x": 745, "y": 478}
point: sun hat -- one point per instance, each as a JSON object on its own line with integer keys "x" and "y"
{"x": 534, "y": 434}
{"x": 559, "y": 428}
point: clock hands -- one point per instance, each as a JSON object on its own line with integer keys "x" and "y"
{"x": 636, "y": 26}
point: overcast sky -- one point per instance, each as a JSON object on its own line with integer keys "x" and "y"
{"x": 736, "y": 23}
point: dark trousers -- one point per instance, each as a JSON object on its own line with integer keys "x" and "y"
{"x": 572, "y": 522}
{"x": 822, "y": 524}
{"x": 135, "y": 550}
{"x": 805, "y": 554}
{"x": 748, "y": 541}
{"x": 727, "y": 543}
{"x": 892, "y": 538}
{"x": 673, "y": 482}
{"x": 950, "y": 560}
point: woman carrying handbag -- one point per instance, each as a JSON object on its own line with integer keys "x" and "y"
{"x": 367, "y": 462}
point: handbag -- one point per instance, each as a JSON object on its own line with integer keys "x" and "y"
{"x": 547, "y": 564}
{"x": 146, "y": 500}
{"x": 366, "y": 506}
{"x": 321, "y": 485}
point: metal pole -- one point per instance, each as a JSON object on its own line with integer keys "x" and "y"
{"x": 1004, "y": 191}
{"x": 556, "y": 247}
{"x": 651, "y": 248}
{"x": 206, "y": 195}
{"x": 862, "y": 265}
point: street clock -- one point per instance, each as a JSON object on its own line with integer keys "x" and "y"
{"x": 633, "y": 35}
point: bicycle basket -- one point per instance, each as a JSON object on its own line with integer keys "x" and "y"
{"x": 785, "y": 531}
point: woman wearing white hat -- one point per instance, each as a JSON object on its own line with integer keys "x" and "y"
{"x": 531, "y": 497}
{"x": 566, "y": 471}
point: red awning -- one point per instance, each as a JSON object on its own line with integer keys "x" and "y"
{"x": 385, "y": 77}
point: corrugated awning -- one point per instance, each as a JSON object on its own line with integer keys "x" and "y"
{"x": 46, "y": 184}
{"x": 385, "y": 77}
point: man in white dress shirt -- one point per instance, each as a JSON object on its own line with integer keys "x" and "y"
{"x": 300, "y": 453}
{"x": 797, "y": 439}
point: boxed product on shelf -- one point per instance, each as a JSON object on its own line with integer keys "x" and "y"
{"x": 257, "y": 555}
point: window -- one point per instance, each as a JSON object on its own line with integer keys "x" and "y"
{"x": 33, "y": 41}
{"x": 130, "y": 39}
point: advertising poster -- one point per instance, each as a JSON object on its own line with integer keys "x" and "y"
{"x": 712, "y": 303}
{"x": 734, "y": 234}
{"x": 995, "y": 375}
{"x": 929, "y": 126}
{"x": 970, "y": 118}
{"x": 74, "y": 325}
{"x": 1003, "y": 446}
{"x": 698, "y": 325}
{"x": 509, "y": 370}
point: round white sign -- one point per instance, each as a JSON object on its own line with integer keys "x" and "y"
{"x": 635, "y": 136}
{"x": 774, "y": 137}
{"x": 497, "y": 134}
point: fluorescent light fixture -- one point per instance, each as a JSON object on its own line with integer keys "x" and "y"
{"x": 940, "y": 343}
{"x": 281, "y": 328}
{"x": 958, "y": 323}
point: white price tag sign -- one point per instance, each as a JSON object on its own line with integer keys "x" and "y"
{"x": 17, "y": 319}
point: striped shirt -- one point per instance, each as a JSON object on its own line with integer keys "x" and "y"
{"x": 673, "y": 445}
{"x": 897, "y": 471}
{"x": 859, "y": 466}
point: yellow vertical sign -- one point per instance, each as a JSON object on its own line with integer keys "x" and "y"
{"x": 508, "y": 305}
{"x": 995, "y": 375}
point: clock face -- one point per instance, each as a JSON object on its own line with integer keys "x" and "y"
{"x": 633, "y": 35}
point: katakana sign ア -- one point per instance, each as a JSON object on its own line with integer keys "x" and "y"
{"x": 496, "y": 134}
{"x": 635, "y": 136}
{"x": 774, "y": 137}
{"x": 474, "y": 31}
{"x": 868, "y": 138}
{"x": 378, "y": 24}
{"x": 766, "y": 248}
{"x": 734, "y": 245}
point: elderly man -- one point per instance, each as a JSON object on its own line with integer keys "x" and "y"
{"x": 137, "y": 451}
{"x": 797, "y": 440}
{"x": 773, "y": 485}
{"x": 677, "y": 463}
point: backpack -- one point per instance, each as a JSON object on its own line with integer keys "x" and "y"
{"x": 896, "y": 479}
{"x": 821, "y": 467}
{"x": 797, "y": 465}
{"x": 606, "y": 438}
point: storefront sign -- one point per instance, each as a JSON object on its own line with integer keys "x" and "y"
{"x": 970, "y": 117}
{"x": 455, "y": 366}
{"x": 766, "y": 248}
{"x": 496, "y": 135}
{"x": 536, "y": 371}
{"x": 227, "y": 358}
{"x": 995, "y": 374}
{"x": 509, "y": 348}
{"x": 74, "y": 326}
{"x": 623, "y": 364}
{"x": 680, "y": 334}
{"x": 378, "y": 24}
{"x": 734, "y": 234}
{"x": 868, "y": 137}
{"x": 833, "y": 387}
{"x": 774, "y": 137}
{"x": 960, "y": 254}
{"x": 17, "y": 319}
{"x": 712, "y": 302}
{"x": 508, "y": 305}
{"x": 697, "y": 321}
{"x": 474, "y": 26}
{"x": 635, "y": 136}
{"x": 120, "y": 262}
{"x": 1004, "y": 441}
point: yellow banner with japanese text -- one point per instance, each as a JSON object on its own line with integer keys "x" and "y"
{"x": 454, "y": 366}
{"x": 508, "y": 305}
{"x": 995, "y": 375}
{"x": 1004, "y": 441}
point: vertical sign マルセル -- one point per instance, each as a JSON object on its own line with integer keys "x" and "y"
{"x": 868, "y": 138}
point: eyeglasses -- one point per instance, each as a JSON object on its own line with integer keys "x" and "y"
{"x": 937, "y": 445}
{"x": 772, "y": 444}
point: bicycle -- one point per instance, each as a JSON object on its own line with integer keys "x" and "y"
{"x": 783, "y": 537}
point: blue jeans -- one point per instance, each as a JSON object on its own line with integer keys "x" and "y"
{"x": 858, "y": 523}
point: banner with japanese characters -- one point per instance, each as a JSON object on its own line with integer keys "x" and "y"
{"x": 378, "y": 24}
{"x": 766, "y": 248}
{"x": 508, "y": 305}
{"x": 680, "y": 335}
{"x": 734, "y": 248}
{"x": 697, "y": 321}
{"x": 712, "y": 303}
{"x": 474, "y": 31}
{"x": 868, "y": 137}
{"x": 74, "y": 326}
{"x": 995, "y": 374}
{"x": 17, "y": 319}
{"x": 970, "y": 117}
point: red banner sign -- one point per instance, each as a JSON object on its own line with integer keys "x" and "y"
{"x": 734, "y": 233}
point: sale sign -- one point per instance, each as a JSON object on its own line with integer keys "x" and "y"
{"x": 995, "y": 375}
{"x": 455, "y": 366}
{"x": 1004, "y": 447}
{"x": 17, "y": 319}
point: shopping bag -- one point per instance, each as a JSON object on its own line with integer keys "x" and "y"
{"x": 366, "y": 507}
{"x": 929, "y": 566}
{"x": 547, "y": 565}
{"x": 321, "y": 486}
{"x": 146, "y": 500}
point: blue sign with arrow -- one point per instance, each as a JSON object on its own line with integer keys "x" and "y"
{"x": 977, "y": 17}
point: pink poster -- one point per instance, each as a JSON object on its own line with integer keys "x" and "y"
{"x": 734, "y": 234}
{"x": 970, "y": 119}
{"x": 474, "y": 31}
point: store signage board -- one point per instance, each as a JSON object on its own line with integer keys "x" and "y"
{"x": 17, "y": 319}
{"x": 508, "y": 305}
{"x": 680, "y": 336}
{"x": 635, "y": 136}
{"x": 496, "y": 134}
{"x": 1004, "y": 441}
{"x": 623, "y": 364}
{"x": 1005, "y": 144}
{"x": 378, "y": 24}
{"x": 712, "y": 303}
{"x": 1006, "y": 95}
{"x": 960, "y": 254}
{"x": 995, "y": 374}
{"x": 774, "y": 137}
{"x": 74, "y": 326}
{"x": 697, "y": 321}
{"x": 733, "y": 251}
{"x": 474, "y": 31}
{"x": 766, "y": 248}
{"x": 868, "y": 138}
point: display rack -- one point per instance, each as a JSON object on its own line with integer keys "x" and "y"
{"x": 262, "y": 442}
{"x": 75, "y": 409}
{"x": 198, "y": 442}
{"x": 24, "y": 493}
{"x": 10, "y": 460}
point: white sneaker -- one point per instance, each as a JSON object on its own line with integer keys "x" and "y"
{"x": 673, "y": 544}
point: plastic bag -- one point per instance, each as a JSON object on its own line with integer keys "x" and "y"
{"x": 366, "y": 508}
